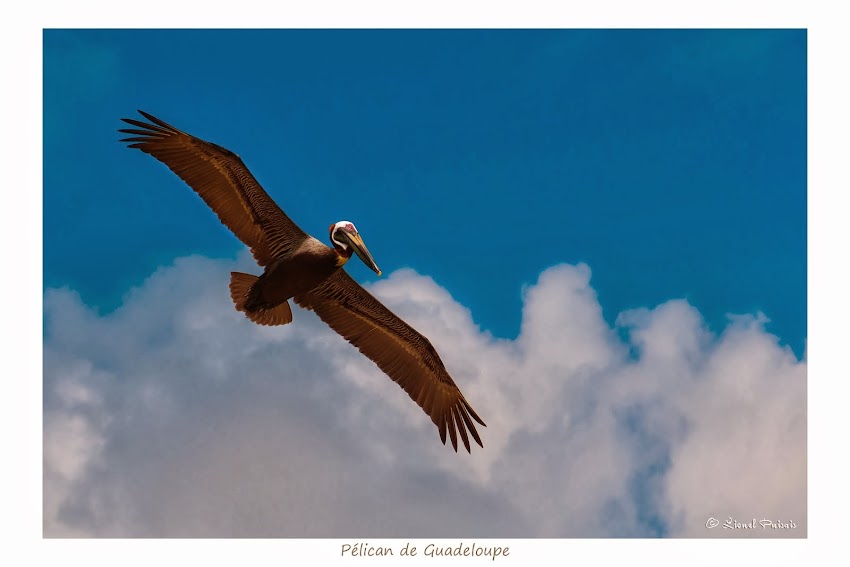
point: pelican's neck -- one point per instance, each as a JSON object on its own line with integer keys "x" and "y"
{"x": 342, "y": 255}
{"x": 341, "y": 247}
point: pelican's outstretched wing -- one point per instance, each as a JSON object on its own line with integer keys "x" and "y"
{"x": 223, "y": 182}
{"x": 397, "y": 348}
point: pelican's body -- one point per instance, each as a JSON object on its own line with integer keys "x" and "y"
{"x": 265, "y": 299}
{"x": 300, "y": 271}
{"x": 300, "y": 267}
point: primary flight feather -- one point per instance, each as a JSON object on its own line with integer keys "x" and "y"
{"x": 299, "y": 267}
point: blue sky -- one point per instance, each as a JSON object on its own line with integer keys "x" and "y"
{"x": 672, "y": 162}
{"x": 568, "y": 215}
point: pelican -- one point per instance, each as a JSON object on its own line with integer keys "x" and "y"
{"x": 299, "y": 267}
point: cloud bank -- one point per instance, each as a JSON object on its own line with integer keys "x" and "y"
{"x": 176, "y": 416}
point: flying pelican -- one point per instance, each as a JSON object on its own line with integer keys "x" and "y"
{"x": 298, "y": 266}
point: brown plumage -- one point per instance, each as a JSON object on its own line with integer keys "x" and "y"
{"x": 300, "y": 267}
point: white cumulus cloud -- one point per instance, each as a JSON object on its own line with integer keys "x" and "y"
{"x": 175, "y": 416}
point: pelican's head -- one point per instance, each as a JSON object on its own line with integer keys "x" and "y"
{"x": 346, "y": 240}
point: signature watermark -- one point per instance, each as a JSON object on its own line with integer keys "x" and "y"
{"x": 754, "y": 524}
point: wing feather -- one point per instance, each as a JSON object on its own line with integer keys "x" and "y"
{"x": 223, "y": 182}
{"x": 406, "y": 356}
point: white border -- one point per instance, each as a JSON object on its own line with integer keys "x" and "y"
{"x": 828, "y": 185}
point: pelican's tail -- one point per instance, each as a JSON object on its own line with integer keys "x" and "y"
{"x": 240, "y": 292}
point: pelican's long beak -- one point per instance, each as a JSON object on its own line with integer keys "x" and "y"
{"x": 363, "y": 252}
